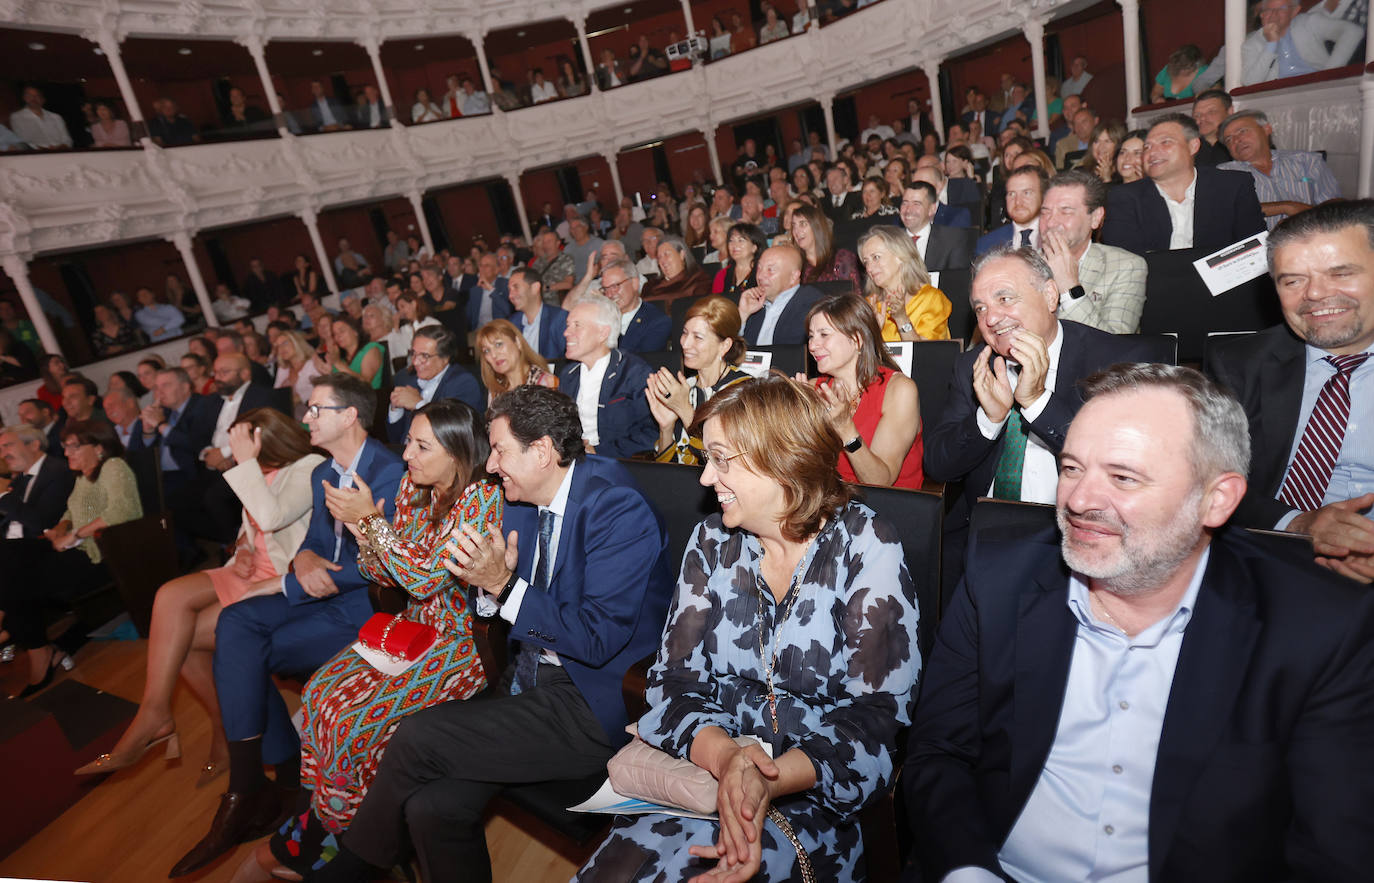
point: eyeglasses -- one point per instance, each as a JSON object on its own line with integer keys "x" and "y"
{"x": 71, "y": 445}
{"x": 722, "y": 463}
{"x": 313, "y": 412}
{"x": 611, "y": 286}
{"x": 422, "y": 357}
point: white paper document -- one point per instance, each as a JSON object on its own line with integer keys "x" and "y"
{"x": 1234, "y": 265}
{"x": 756, "y": 363}
{"x": 902, "y": 354}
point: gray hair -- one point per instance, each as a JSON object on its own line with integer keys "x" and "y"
{"x": 624, "y": 265}
{"x": 1033, "y": 259}
{"x": 1221, "y": 431}
{"x": 1258, "y": 116}
{"x": 27, "y": 435}
{"x": 689, "y": 261}
{"x": 608, "y": 314}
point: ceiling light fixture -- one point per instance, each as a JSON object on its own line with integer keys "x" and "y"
{"x": 98, "y": 51}
{"x": 519, "y": 33}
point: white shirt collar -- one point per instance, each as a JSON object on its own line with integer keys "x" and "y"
{"x": 559, "y": 504}
{"x": 597, "y": 368}
{"x": 37, "y": 465}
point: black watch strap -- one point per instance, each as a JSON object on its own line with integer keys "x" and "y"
{"x": 854, "y": 444}
{"x": 506, "y": 589}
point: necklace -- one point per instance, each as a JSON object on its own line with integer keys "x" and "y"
{"x": 1092, "y": 596}
{"x": 770, "y": 660}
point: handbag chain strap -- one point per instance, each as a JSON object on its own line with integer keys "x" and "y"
{"x": 386, "y": 635}
{"x": 808, "y": 874}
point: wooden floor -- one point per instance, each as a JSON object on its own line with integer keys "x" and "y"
{"x": 133, "y": 826}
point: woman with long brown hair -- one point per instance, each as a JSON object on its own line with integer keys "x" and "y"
{"x": 813, "y": 233}
{"x": 272, "y": 480}
{"x": 1100, "y": 157}
{"x": 873, "y": 407}
{"x": 508, "y": 360}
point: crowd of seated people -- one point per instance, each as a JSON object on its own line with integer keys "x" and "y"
{"x": 1154, "y": 597}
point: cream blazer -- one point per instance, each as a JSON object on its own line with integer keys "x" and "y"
{"x": 281, "y": 509}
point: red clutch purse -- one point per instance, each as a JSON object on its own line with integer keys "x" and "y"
{"x": 399, "y": 639}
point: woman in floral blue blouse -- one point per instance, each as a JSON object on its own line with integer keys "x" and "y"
{"x": 794, "y": 623}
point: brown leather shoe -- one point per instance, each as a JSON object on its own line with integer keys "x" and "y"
{"x": 240, "y": 818}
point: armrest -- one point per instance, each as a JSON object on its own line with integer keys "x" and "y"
{"x": 632, "y": 688}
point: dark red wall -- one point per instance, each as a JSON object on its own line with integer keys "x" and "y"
{"x": 276, "y": 243}
{"x": 467, "y": 211}
{"x": 354, "y": 224}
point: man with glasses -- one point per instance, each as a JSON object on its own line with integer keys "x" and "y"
{"x": 1179, "y": 205}
{"x": 321, "y": 605}
{"x": 644, "y": 328}
{"x": 1290, "y": 43}
{"x": 435, "y": 376}
{"x": 34, "y": 494}
{"x": 1286, "y": 181}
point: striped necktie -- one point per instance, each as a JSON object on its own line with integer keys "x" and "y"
{"x": 1310, "y": 473}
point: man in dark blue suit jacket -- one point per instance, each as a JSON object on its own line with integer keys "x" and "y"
{"x": 966, "y": 444}
{"x": 436, "y": 377}
{"x": 1225, "y": 207}
{"x": 293, "y": 629}
{"x": 490, "y": 293}
{"x": 527, "y": 299}
{"x": 32, "y": 503}
{"x": 577, "y": 625}
{"x": 779, "y": 289}
{"x": 1245, "y": 681}
{"x": 649, "y": 328}
{"x": 617, "y": 422}
{"x": 1025, "y": 191}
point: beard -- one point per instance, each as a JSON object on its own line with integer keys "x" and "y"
{"x": 1145, "y": 557}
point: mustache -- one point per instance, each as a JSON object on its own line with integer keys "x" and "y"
{"x": 1091, "y": 516}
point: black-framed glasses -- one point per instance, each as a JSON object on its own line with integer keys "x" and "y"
{"x": 313, "y": 412}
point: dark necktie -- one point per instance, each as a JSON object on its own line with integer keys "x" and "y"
{"x": 527, "y": 660}
{"x": 1308, "y": 477}
{"x": 1007, "y": 484}
{"x": 1025, "y": 238}
{"x": 20, "y": 484}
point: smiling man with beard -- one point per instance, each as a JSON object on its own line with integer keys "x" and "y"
{"x": 1308, "y": 388}
{"x": 1010, "y": 403}
{"x": 1149, "y": 695}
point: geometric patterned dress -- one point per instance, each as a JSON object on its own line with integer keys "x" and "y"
{"x": 351, "y": 709}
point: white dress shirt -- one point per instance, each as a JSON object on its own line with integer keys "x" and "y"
{"x": 923, "y": 240}
{"x": 47, "y": 130}
{"x": 1181, "y": 215}
{"x": 228, "y": 413}
{"x": 1033, "y": 226}
{"x": 15, "y": 531}
{"x": 1040, "y": 468}
{"x": 772, "y": 311}
{"x": 589, "y": 398}
{"x": 427, "y": 390}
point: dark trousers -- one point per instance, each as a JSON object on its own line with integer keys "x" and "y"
{"x": 258, "y": 637}
{"x": 34, "y": 578}
{"x": 445, "y": 763}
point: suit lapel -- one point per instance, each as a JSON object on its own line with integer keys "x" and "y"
{"x": 1211, "y": 669}
{"x": 1045, "y": 631}
{"x": 566, "y": 545}
{"x": 608, "y": 382}
{"x": 1156, "y": 217}
{"x": 1283, "y": 375}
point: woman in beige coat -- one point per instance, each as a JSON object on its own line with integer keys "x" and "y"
{"x": 272, "y": 479}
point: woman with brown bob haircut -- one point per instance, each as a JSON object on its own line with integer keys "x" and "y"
{"x": 508, "y": 360}
{"x": 873, "y": 407}
{"x": 271, "y": 477}
{"x": 794, "y": 622}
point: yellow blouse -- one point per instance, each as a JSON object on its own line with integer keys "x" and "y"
{"x": 928, "y": 312}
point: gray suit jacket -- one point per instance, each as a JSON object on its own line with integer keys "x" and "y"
{"x": 1113, "y": 281}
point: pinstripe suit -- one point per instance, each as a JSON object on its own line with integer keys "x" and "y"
{"x": 1113, "y": 281}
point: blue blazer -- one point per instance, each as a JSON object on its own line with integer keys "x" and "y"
{"x": 993, "y": 238}
{"x": 626, "y": 425}
{"x": 610, "y": 586}
{"x": 553, "y": 321}
{"x": 382, "y": 470}
{"x": 648, "y": 331}
{"x": 951, "y": 216}
{"x": 457, "y": 383}
{"x": 500, "y": 302}
{"x": 192, "y": 432}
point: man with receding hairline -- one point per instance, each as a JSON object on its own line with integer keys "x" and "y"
{"x": 774, "y": 311}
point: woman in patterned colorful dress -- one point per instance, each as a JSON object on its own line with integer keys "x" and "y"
{"x": 794, "y": 623}
{"x": 352, "y": 709}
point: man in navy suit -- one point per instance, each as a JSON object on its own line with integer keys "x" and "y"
{"x": 436, "y": 376}
{"x": 41, "y": 415}
{"x": 325, "y": 113}
{"x": 978, "y": 112}
{"x": 606, "y": 383}
{"x": 644, "y": 327}
{"x": 121, "y": 409}
{"x": 36, "y": 490}
{"x": 293, "y": 629}
{"x": 1146, "y": 693}
{"x": 541, "y": 324}
{"x": 1010, "y": 403}
{"x": 958, "y": 201}
{"x": 488, "y": 298}
{"x": 774, "y": 311}
{"x": 1025, "y": 189}
{"x": 1180, "y": 205}
{"x": 583, "y": 577}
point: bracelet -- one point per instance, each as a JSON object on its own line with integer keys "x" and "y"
{"x": 378, "y": 532}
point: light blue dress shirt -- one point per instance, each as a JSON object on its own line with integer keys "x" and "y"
{"x": 1353, "y": 474}
{"x": 1088, "y": 816}
{"x": 772, "y": 311}
{"x": 530, "y": 330}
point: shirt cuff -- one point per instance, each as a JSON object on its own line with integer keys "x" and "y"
{"x": 989, "y": 429}
{"x": 394, "y": 414}
{"x": 1037, "y": 407}
{"x": 971, "y": 874}
{"x": 486, "y": 605}
{"x": 1287, "y": 520}
{"x": 283, "y": 585}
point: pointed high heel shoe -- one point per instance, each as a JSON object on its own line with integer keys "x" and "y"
{"x": 65, "y": 663}
{"x": 109, "y": 763}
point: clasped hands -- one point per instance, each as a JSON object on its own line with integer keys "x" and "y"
{"x": 669, "y": 399}
{"x": 746, "y": 778}
{"x": 992, "y": 385}
{"x": 486, "y": 562}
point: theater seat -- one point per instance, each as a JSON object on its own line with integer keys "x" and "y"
{"x": 141, "y": 555}
{"x": 663, "y": 359}
{"x": 1177, "y": 300}
{"x": 1161, "y": 347}
{"x": 932, "y": 366}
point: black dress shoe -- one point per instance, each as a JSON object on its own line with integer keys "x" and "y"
{"x": 240, "y": 818}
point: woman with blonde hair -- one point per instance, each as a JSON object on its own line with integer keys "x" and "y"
{"x": 717, "y": 234}
{"x": 908, "y": 307}
{"x": 873, "y": 407}
{"x": 711, "y": 347}
{"x": 296, "y": 368}
{"x": 272, "y": 479}
{"x": 508, "y": 360}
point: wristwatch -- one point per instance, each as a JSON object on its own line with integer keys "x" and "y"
{"x": 1075, "y": 293}
{"x": 502, "y": 595}
{"x": 856, "y": 442}
{"x": 906, "y": 327}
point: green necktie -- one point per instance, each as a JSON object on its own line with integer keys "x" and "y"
{"x": 1007, "y": 485}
